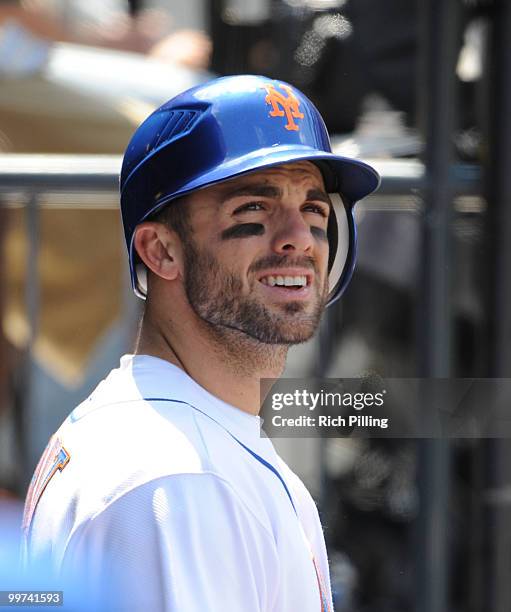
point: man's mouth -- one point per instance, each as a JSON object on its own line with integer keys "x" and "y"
{"x": 292, "y": 282}
{"x": 287, "y": 283}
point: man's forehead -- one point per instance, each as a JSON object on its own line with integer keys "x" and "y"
{"x": 297, "y": 171}
{"x": 305, "y": 169}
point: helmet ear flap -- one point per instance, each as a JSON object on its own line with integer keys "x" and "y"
{"x": 342, "y": 244}
{"x": 140, "y": 280}
{"x": 333, "y": 235}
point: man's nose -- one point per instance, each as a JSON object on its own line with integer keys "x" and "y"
{"x": 292, "y": 235}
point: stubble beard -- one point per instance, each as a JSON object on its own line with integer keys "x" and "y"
{"x": 216, "y": 296}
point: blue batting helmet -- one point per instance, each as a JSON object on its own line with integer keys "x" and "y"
{"x": 227, "y": 127}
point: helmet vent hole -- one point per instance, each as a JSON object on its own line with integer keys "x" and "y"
{"x": 179, "y": 121}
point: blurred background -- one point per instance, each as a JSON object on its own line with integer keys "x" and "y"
{"x": 421, "y": 89}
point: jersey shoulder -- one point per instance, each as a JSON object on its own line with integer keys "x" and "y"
{"x": 111, "y": 444}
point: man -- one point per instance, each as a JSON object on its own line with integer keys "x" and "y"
{"x": 159, "y": 490}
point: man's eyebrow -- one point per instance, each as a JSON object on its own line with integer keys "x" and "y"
{"x": 271, "y": 191}
{"x": 319, "y": 195}
{"x": 258, "y": 190}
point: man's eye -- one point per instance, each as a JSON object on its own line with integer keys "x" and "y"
{"x": 251, "y": 206}
{"x": 316, "y": 209}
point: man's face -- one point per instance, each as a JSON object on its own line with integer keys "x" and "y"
{"x": 257, "y": 257}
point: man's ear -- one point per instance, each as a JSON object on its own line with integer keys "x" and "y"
{"x": 159, "y": 248}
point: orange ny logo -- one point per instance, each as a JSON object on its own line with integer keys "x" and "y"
{"x": 284, "y": 105}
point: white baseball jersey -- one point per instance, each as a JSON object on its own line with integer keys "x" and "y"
{"x": 158, "y": 496}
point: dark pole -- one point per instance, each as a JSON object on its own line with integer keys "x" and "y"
{"x": 436, "y": 102}
{"x": 499, "y": 191}
{"x": 24, "y": 392}
{"x": 497, "y": 508}
{"x": 135, "y": 7}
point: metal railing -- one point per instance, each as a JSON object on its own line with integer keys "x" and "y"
{"x": 22, "y": 174}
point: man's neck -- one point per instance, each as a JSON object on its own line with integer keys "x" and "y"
{"x": 227, "y": 363}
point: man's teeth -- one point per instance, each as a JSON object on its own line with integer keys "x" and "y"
{"x": 284, "y": 281}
